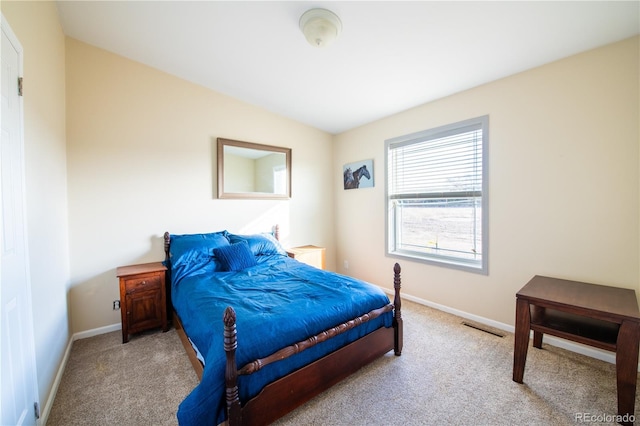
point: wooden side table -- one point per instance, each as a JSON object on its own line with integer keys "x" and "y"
{"x": 596, "y": 315}
{"x": 311, "y": 255}
{"x": 143, "y": 298}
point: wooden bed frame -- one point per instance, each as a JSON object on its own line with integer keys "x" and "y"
{"x": 289, "y": 392}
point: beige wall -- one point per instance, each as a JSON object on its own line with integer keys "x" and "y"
{"x": 141, "y": 161}
{"x": 38, "y": 30}
{"x": 563, "y": 183}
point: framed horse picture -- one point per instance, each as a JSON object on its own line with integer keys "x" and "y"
{"x": 358, "y": 175}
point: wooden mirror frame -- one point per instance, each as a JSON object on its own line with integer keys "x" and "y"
{"x": 222, "y": 142}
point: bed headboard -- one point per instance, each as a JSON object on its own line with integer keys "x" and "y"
{"x": 167, "y": 240}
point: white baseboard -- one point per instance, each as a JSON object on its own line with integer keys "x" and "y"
{"x": 97, "y": 331}
{"x": 551, "y": 340}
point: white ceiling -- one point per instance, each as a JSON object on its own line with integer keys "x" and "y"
{"x": 390, "y": 56}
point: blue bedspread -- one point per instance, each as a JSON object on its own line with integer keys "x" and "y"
{"x": 278, "y": 302}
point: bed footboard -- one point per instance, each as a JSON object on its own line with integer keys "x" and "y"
{"x": 293, "y": 390}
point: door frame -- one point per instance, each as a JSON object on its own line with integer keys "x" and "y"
{"x": 29, "y": 339}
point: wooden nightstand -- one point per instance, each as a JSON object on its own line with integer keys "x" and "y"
{"x": 311, "y": 255}
{"x": 142, "y": 297}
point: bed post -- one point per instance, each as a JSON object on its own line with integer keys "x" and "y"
{"x": 167, "y": 276}
{"x": 397, "y": 317}
{"x": 167, "y": 241}
{"x": 231, "y": 374}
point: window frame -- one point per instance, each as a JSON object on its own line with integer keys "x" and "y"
{"x": 481, "y": 267}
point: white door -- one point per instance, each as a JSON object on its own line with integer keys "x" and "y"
{"x": 17, "y": 357}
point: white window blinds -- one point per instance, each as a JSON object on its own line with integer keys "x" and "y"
{"x": 445, "y": 166}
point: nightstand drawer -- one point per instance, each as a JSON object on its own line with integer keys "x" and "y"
{"x": 143, "y": 283}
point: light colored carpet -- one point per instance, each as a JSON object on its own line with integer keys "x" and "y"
{"x": 448, "y": 374}
{"x": 138, "y": 383}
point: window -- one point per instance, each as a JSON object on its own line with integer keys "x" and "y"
{"x": 280, "y": 180}
{"x": 436, "y": 192}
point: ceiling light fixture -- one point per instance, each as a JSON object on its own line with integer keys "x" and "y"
{"x": 320, "y": 26}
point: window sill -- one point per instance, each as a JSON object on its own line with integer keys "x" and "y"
{"x": 446, "y": 262}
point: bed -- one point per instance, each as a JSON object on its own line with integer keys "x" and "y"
{"x": 265, "y": 332}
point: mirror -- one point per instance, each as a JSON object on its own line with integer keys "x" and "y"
{"x": 251, "y": 170}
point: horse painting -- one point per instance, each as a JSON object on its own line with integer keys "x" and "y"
{"x": 352, "y": 179}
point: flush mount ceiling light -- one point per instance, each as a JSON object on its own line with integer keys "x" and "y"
{"x": 320, "y": 26}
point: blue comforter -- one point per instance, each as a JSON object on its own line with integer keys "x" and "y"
{"x": 278, "y": 302}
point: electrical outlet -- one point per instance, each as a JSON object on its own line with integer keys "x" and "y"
{"x": 116, "y": 305}
{"x": 346, "y": 264}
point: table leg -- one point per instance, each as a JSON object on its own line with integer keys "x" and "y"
{"x": 627, "y": 368}
{"x": 523, "y": 323}
{"x": 537, "y": 339}
{"x": 538, "y": 312}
